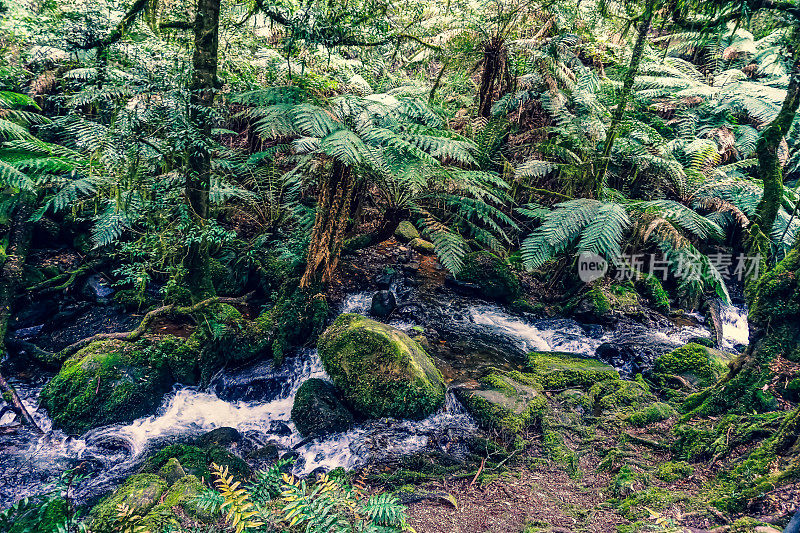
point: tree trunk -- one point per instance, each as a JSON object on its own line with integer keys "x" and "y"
{"x": 625, "y": 96}
{"x": 391, "y": 219}
{"x": 494, "y": 55}
{"x": 769, "y": 170}
{"x": 198, "y": 179}
{"x": 327, "y": 236}
{"x": 10, "y": 279}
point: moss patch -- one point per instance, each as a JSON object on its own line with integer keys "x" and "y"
{"x": 195, "y": 461}
{"x": 492, "y": 275}
{"x": 558, "y": 370}
{"x": 140, "y": 493}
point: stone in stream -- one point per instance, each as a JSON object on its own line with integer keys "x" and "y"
{"x": 98, "y": 289}
{"x": 489, "y": 276}
{"x": 224, "y": 436}
{"x": 406, "y": 232}
{"x": 106, "y": 382}
{"x": 380, "y": 370}
{"x": 383, "y": 303}
{"x": 318, "y": 409}
{"x": 422, "y": 246}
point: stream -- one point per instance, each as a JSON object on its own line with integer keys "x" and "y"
{"x": 257, "y": 400}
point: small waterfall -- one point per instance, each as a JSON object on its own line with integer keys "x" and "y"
{"x": 735, "y": 330}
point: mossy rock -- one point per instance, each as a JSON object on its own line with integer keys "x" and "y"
{"x": 700, "y": 365}
{"x": 652, "y": 413}
{"x": 106, "y": 382}
{"x": 172, "y": 471}
{"x": 503, "y": 403}
{"x": 380, "y": 370}
{"x": 491, "y": 275}
{"x": 559, "y": 370}
{"x": 406, "y": 232}
{"x": 181, "y": 495}
{"x": 195, "y": 461}
{"x": 620, "y": 396}
{"x": 604, "y": 301}
{"x": 318, "y": 409}
{"x": 140, "y": 493}
{"x": 651, "y": 288}
{"x": 422, "y": 246}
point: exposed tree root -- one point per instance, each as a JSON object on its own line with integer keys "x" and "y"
{"x": 16, "y": 404}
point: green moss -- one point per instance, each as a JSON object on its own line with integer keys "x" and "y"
{"x": 181, "y": 494}
{"x": 674, "y": 471}
{"x": 558, "y": 370}
{"x": 44, "y": 519}
{"x": 380, "y": 370}
{"x": 653, "y": 413}
{"x": 624, "y": 482}
{"x": 104, "y": 383}
{"x": 422, "y": 246}
{"x": 225, "y": 281}
{"x": 297, "y": 318}
{"x": 557, "y": 450}
{"x": 640, "y": 504}
{"x": 196, "y": 461}
{"x": 505, "y": 404}
{"x": 620, "y": 396}
{"x": 140, "y": 493}
{"x": 492, "y": 275}
{"x": 180, "y": 356}
{"x": 701, "y": 365}
{"x": 406, "y": 232}
{"x": 650, "y": 287}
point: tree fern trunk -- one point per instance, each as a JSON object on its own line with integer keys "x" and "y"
{"x": 198, "y": 179}
{"x": 493, "y": 61}
{"x": 625, "y": 95}
{"x": 330, "y": 224}
{"x": 769, "y": 169}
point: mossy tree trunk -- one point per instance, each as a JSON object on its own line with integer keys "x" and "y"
{"x": 625, "y": 95}
{"x": 770, "y": 172}
{"x": 330, "y": 224}
{"x": 198, "y": 178}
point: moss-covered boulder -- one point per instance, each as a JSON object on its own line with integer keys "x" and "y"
{"x": 491, "y": 275}
{"x": 406, "y": 232}
{"x": 318, "y": 409}
{"x": 602, "y": 302}
{"x": 195, "y": 461}
{"x": 422, "y": 246}
{"x": 140, "y": 493}
{"x": 621, "y": 397}
{"x": 559, "y": 370}
{"x": 508, "y": 402}
{"x": 106, "y": 382}
{"x": 651, "y": 288}
{"x": 699, "y": 365}
{"x": 380, "y": 370}
{"x": 180, "y": 497}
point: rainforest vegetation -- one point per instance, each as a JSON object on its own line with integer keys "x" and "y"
{"x": 369, "y": 265}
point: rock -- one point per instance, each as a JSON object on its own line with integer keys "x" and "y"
{"x": 380, "y": 370}
{"x": 558, "y": 370}
{"x": 172, "y": 471}
{"x": 24, "y": 334}
{"x": 411, "y": 268}
{"x": 97, "y": 288}
{"x": 422, "y": 246}
{"x": 223, "y": 436}
{"x": 385, "y": 279}
{"x": 279, "y": 428}
{"x": 195, "y": 461}
{"x": 318, "y": 409}
{"x": 383, "y": 303}
{"x": 491, "y": 275}
{"x": 502, "y": 402}
{"x": 406, "y": 232}
{"x": 182, "y": 494}
{"x": 104, "y": 383}
{"x": 140, "y": 493}
{"x": 699, "y": 365}
{"x": 264, "y": 454}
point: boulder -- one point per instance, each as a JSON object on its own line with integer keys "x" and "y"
{"x": 318, "y": 409}
{"x": 383, "y": 303}
{"x": 181, "y": 495}
{"x": 140, "y": 493}
{"x": 106, "y": 382}
{"x": 422, "y": 246}
{"x": 699, "y": 365}
{"x": 380, "y": 370}
{"x": 195, "y": 461}
{"x": 491, "y": 275}
{"x": 223, "y": 436}
{"x": 559, "y": 370}
{"x": 406, "y": 232}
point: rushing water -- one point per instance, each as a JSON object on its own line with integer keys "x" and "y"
{"x": 257, "y": 401}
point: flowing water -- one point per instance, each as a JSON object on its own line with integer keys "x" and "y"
{"x": 257, "y": 401}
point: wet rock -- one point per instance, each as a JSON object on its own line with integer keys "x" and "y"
{"x": 318, "y": 409}
{"x": 104, "y": 383}
{"x": 279, "y": 428}
{"x": 411, "y": 268}
{"x": 385, "y": 279}
{"x": 383, "y": 303}
{"x": 380, "y": 370}
{"x": 257, "y": 382}
{"x": 97, "y": 288}
{"x": 196, "y": 461}
{"x": 633, "y": 356}
{"x": 491, "y": 277}
{"x": 172, "y": 471}
{"x": 264, "y": 454}
{"x": 224, "y": 436}
{"x": 558, "y": 370}
{"x": 24, "y": 334}
{"x": 182, "y": 494}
